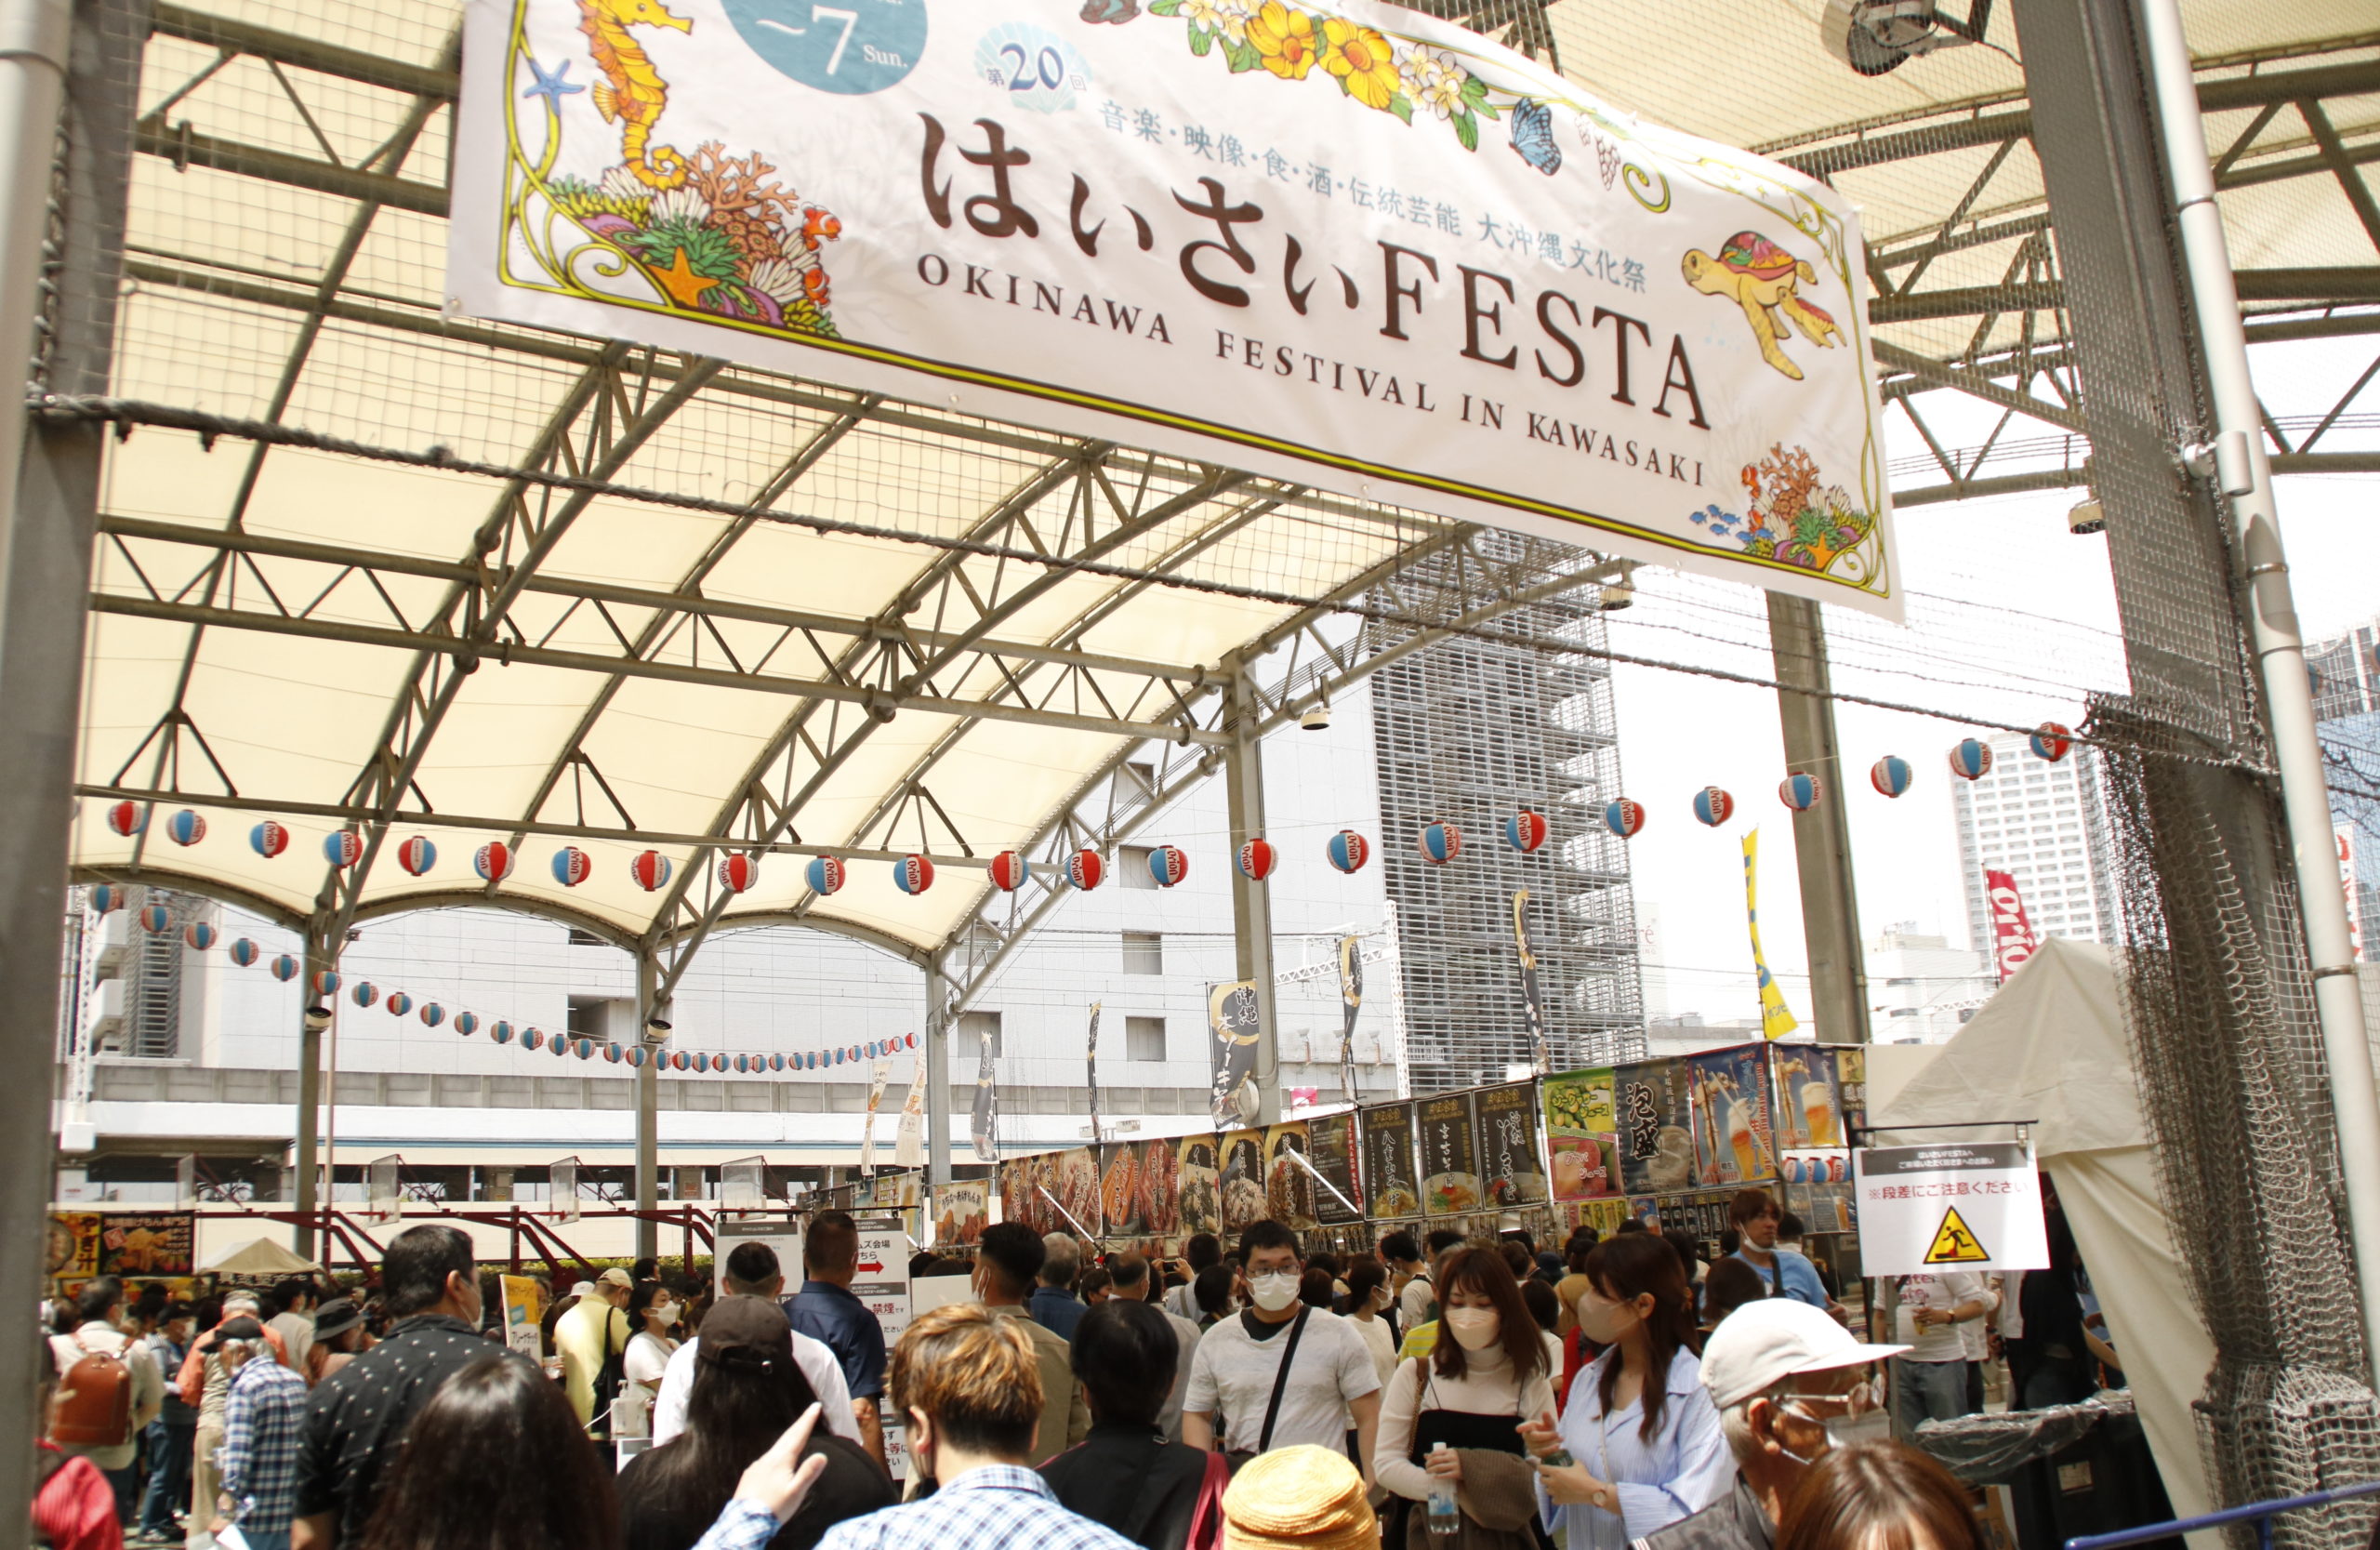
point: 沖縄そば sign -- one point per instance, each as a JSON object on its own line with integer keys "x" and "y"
{"x": 1344, "y": 244}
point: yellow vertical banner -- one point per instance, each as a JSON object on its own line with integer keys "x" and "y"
{"x": 1775, "y": 1017}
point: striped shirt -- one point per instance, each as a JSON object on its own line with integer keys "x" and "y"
{"x": 995, "y": 1507}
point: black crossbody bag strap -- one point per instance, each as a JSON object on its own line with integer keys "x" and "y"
{"x": 1281, "y": 1381}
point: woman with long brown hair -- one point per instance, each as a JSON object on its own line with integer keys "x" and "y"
{"x": 1639, "y": 1446}
{"x": 1878, "y": 1496}
{"x": 1471, "y": 1393}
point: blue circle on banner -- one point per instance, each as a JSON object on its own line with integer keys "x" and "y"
{"x": 1031, "y": 66}
{"x": 849, "y": 49}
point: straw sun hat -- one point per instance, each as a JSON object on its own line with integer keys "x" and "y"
{"x": 1304, "y": 1498}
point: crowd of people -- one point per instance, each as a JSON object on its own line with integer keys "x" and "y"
{"x": 1440, "y": 1391}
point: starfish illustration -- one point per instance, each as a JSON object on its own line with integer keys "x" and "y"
{"x": 552, "y": 87}
{"x": 681, "y": 281}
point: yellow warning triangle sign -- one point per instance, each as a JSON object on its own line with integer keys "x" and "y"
{"x": 1954, "y": 1242}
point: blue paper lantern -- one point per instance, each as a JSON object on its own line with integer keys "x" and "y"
{"x": 285, "y": 968}
{"x": 824, "y": 874}
{"x": 343, "y": 848}
{"x": 106, "y": 897}
{"x": 1800, "y": 791}
{"x": 185, "y": 828}
{"x": 1440, "y": 842}
{"x": 399, "y": 1004}
{"x": 534, "y": 1040}
{"x": 1971, "y": 759}
{"x": 1714, "y": 806}
{"x": 363, "y": 993}
{"x": 501, "y": 1033}
{"x": 2050, "y": 740}
{"x": 1348, "y": 851}
{"x": 244, "y": 952}
{"x": 416, "y": 856}
{"x": 432, "y": 1014}
{"x": 156, "y": 918}
{"x": 1526, "y": 829}
{"x": 467, "y": 1023}
{"x": 1891, "y": 775}
{"x": 268, "y": 839}
{"x": 1168, "y": 864}
{"x": 1623, "y": 817}
{"x": 199, "y": 935}
{"x": 326, "y": 982}
{"x": 572, "y": 866}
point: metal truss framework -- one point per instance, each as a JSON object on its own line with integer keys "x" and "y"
{"x": 943, "y": 627}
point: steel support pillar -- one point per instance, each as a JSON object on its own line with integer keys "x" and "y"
{"x": 936, "y": 1054}
{"x": 310, "y": 1193}
{"x": 1252, "y": 904}
{"x": 84, "y": 60}
{"x": 1822, "y": 834}
{"x": 648, "y": 1107}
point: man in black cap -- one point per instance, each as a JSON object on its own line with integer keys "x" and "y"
{"x": 745, "y": 1370}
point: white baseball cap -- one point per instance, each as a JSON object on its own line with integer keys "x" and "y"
{"x": 1764, "y": 1343}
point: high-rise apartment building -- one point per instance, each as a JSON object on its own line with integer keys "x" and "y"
{"x": 2346, "y": 672}
{"x": 2045, "y": 825}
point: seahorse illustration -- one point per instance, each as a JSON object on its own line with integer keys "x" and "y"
{"x": 632, "y": 93}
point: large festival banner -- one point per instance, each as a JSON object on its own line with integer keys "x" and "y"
{"x": 1333, "y": 1151}
{"x": 1288, "y": 1188}
{"x": 2013, "y": 941}
{"x": 1198, "y": 1171}
{"x": 1338, "y": 242}
{"x": 1733, "y": 1142}
{"x": 1510, "y": 1173}
{"x": 1581, "y": 1135}
{"x": 1450, "y": 1155}
{"x": 1391, "y": 1177}
{"x": 1243, "y": 1178}
{"x": 1656, "y": 1145}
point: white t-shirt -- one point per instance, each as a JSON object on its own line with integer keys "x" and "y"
{"x": 1378, "y": 1341}
{"x": 1977, "y": 1337}
{"x": 648, "y": 1359}
{"x": 1413, "y": 1304}
{"x": 1231, "y": 1380}
{"x": 1937, "y": 1342}
{"x": 817, "y": 1364}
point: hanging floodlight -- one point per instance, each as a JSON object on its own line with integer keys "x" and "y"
{"x": 1874, "y": 37}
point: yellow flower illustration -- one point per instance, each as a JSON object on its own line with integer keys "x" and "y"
{"x": 1363, "y": 61}
{"x": 1285, "y": 38}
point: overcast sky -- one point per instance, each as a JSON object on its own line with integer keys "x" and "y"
{"x": 2010, "y": 618}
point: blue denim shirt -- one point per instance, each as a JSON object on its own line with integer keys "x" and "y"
{"x": 1055, "y": 1311}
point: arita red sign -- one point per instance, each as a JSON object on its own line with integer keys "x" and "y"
{"x": 2011, "y": 935}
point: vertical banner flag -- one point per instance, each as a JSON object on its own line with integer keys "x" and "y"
{"x": 1775, "y": 1017}
{"x": 523, "y": 1306}
{"x": 1351, "y": 1000}
{"x": 910, "y": 1141}
{"x": 1533, "y": 1004}
{"x": 1091, "y": 1068}
{"x": 984, "y": 1127}
{"x": 875, "y": 1075}
{"x": 2011, "y": 935}
{"x": 1334, "y": 242}
{"x": 1232, "y": 1032}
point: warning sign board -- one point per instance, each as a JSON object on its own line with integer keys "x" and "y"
{"x": 1954, "y": 1243}
{"x": 1973, "y": 1205}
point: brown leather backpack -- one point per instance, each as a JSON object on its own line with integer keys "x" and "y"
{"x": 94, "y": 1400}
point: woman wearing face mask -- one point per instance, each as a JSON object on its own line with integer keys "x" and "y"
{"x": 1367, "y": 1300}
{"x": 652, "y": 1310}
{"x": 1471, "y": 1393}
{"x": 1640, "y": 1445}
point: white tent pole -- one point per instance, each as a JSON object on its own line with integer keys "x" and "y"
{"x": 2245, "y": 476}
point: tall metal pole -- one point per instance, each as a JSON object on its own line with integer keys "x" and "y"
{"x": 648, "y": 1108}
{"x": 310, "y": 1095}
{"x": 83, "y": 60}
{"x": 1822, "y": 833}
{"x": 1251, "y": 904}
{"x": 2245, "y": 476}
{"x": 936, "y": 1054}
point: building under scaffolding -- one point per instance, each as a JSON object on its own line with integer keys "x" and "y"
{"x": 1470, "y": 729}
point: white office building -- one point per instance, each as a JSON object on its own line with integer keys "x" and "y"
{"x": 2045, "y": 825}
{"x": 1920, "y": 989}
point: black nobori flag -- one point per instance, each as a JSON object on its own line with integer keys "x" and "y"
{"x": 1351, "y": 1001}
{"x": 1532, "y": 998}
{"x": 986, "y": 1125}
{"x": 1231, "y": 1027}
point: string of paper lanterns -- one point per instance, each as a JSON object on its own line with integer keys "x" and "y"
{"x": 1439, "y": 840}
{"x": 201, "y": 935}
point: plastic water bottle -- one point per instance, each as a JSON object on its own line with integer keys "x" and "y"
{"x": 1446, "y": 1519}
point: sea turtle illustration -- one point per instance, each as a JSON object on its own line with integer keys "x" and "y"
{"x": 1764, "y": 280}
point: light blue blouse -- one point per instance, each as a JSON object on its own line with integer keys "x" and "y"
{"x": 1683, "y": 1468}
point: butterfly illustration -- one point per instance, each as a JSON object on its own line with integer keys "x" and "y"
{"x": 1533, "y": 137}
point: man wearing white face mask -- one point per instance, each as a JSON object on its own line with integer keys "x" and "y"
{"x": 1280, "y": 1373}
{"x": 1787, "y": 1379}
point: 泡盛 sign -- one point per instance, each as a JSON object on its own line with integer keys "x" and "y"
{"x": 1341, "y": 244}
{"x": 1960, "y": 1206}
